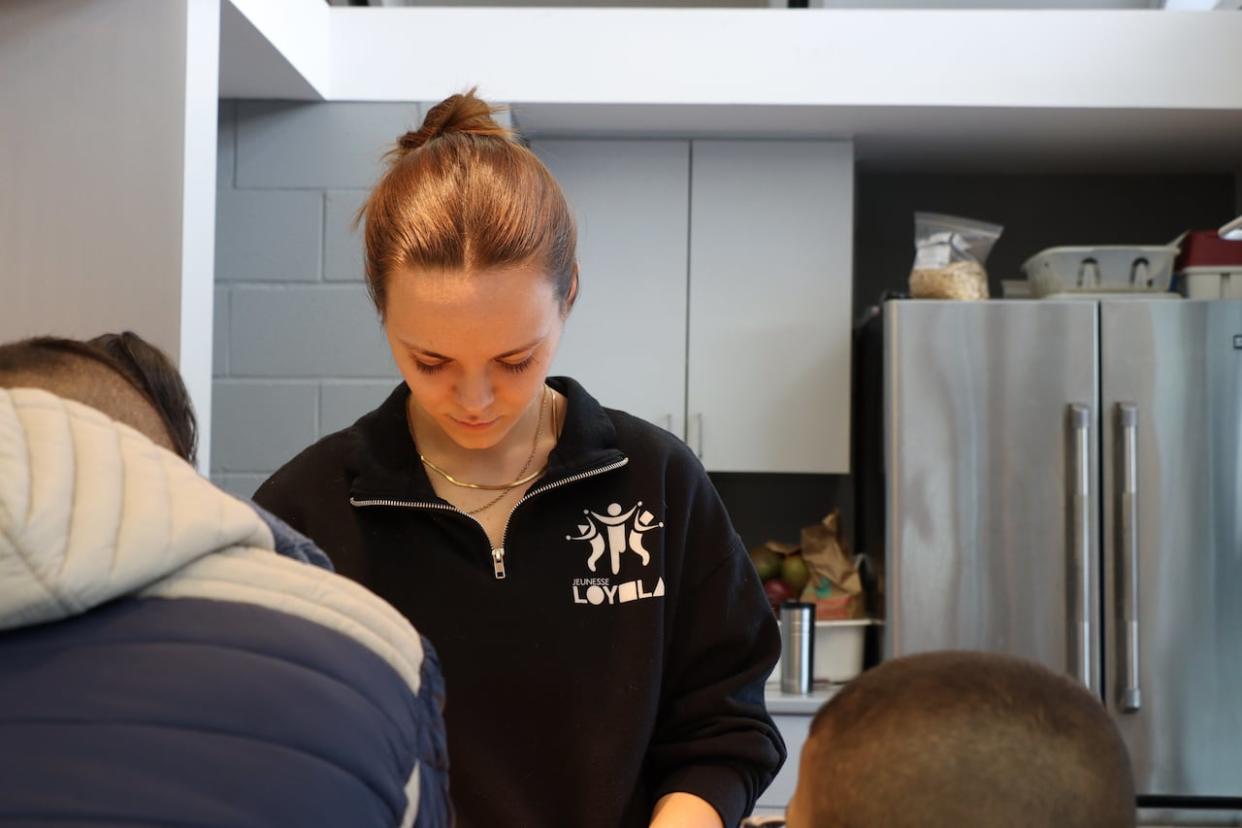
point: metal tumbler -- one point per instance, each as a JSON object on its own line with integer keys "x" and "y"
{"x": 797, "y": 647}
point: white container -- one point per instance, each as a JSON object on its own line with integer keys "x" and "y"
{"x": 838, "y": 651}
{"x": 1212, "y": 282}
{"x": 1102, "y": 269}
{"x": 1015, "y": 289}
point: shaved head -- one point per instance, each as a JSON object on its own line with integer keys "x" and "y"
{"x": 956, "y": 738}
{"x": 76, "y": 371}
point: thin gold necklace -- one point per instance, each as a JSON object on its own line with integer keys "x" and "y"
{"x": 489, "y": 504}
{"x": 504, "y": 488}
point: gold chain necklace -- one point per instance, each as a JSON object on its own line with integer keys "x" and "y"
{"x": 503, "y": 488}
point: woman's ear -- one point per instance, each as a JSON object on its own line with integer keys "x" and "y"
{"x": 573, "y": 291}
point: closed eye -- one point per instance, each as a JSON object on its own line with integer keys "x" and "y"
{"x": 518, "y": 367}
{"x": 428, "y": 367}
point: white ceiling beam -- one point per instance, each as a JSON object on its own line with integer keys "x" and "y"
{"x": 1141, "y": 59}
{"x": 1089, "y": 89}
{"x": 275, "y": 49}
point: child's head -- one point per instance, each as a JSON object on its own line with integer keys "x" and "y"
{"x": 139, "y": 387}
{"x": 955, "y": 739}
{"x": 150, "y": 369}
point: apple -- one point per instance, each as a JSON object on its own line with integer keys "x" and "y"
{"x": 767, "y": 563}
{"x": 795, "y": 573}
{"x": 778, "y": 592}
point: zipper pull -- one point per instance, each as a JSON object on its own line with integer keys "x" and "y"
{"x": 498, "y": 562}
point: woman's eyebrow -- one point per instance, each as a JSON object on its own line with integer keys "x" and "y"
{"x": 514, "y": 352}
{"x": 523, "y": 349}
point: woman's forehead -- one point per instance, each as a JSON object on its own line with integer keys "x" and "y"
{"x": 486, "y": 314}
{"x": 471, "y": 291}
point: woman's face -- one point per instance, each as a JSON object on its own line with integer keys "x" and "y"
{"x": 474, "y": 347}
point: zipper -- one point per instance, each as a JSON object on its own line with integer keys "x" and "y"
{"x": 498, "y": 553}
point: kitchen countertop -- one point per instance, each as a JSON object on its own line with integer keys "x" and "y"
{"x": 786, "y": 703}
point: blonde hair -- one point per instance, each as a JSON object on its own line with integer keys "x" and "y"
{"x": 462, "y": 192}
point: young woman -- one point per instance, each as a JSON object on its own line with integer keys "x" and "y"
{"x": 603, "y": 635}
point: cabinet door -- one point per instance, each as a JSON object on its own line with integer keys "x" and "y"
{"x": 771, "y": 252}
{"x": 626, "y": 337}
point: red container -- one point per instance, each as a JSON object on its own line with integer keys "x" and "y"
{"x": 1205, "y": 248}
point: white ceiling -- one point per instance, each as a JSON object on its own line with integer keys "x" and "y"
{"x": 823, "y": 4}
{"x": 920, "y": 90}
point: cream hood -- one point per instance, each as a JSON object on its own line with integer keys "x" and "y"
{"x": 91, "y": 510}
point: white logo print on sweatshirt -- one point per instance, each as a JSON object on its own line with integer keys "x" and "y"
{"x": 617, "y": 536}
{"x": 615, "y": 529}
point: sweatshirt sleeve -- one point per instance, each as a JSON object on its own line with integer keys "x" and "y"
{"x": 310, "y": 484}
{"x": 714, "y": 738}
{"x": 274, "y": 497}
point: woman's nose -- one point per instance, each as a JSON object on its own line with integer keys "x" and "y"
{"x": 474, "y": 395}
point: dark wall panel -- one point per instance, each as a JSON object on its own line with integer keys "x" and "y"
{"x": 1038, "y": 211}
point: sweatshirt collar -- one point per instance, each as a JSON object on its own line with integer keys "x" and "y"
{"x": 385, "y": 459}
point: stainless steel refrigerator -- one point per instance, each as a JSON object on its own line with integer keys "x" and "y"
{"x": 1064, "y": 483}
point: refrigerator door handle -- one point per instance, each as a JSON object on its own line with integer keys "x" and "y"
{"x": 1080, "y": 540}
{"x": 1128, "y": 556}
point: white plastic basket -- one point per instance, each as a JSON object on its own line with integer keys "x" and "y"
{"x": 1102, "y": 269}
{"x": 1212, "y": 282}
{"x": 1015, "y": 289}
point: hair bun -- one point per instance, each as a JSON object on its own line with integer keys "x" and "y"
{"x": 466, "y": 114}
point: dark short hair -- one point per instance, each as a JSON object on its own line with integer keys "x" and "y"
{"x": 45, "y": 353}
{"x": 965, "y": 738}
{"x": 137, "y": 363}
{"x": 153, "y": 373}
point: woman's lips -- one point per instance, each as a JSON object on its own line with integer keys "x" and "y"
{"x": 476, "y": 426}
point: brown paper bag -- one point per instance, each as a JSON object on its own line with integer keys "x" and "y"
{"x": 835, "y": 586}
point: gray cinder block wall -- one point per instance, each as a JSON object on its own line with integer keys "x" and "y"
{"x": 299, "y": 352}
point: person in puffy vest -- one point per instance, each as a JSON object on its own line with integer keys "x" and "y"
{"x": 167, "y": 655}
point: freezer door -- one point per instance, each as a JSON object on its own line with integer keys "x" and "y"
{"x": 1171, "y": 406}
{"x": 992, "y": 524}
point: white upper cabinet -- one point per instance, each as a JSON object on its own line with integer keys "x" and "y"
{"x": 715, "y": 295}
{"x": 626, "y": 337}
{"x": 771, "y": 238}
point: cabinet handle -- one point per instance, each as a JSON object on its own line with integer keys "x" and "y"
{"x": 1080, "y": 538}
{"x": 666, "y": 422}
{"x": 699, "y": 437}
{"x": 1128, "y": 557}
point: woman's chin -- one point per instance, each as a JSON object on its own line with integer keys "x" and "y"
{"x": 476, "y": 435}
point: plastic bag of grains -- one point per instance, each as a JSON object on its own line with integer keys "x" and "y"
{"x": 949, "y": 253}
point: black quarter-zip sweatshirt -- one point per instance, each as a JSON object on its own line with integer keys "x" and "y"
{"x": 613, "y": 651}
